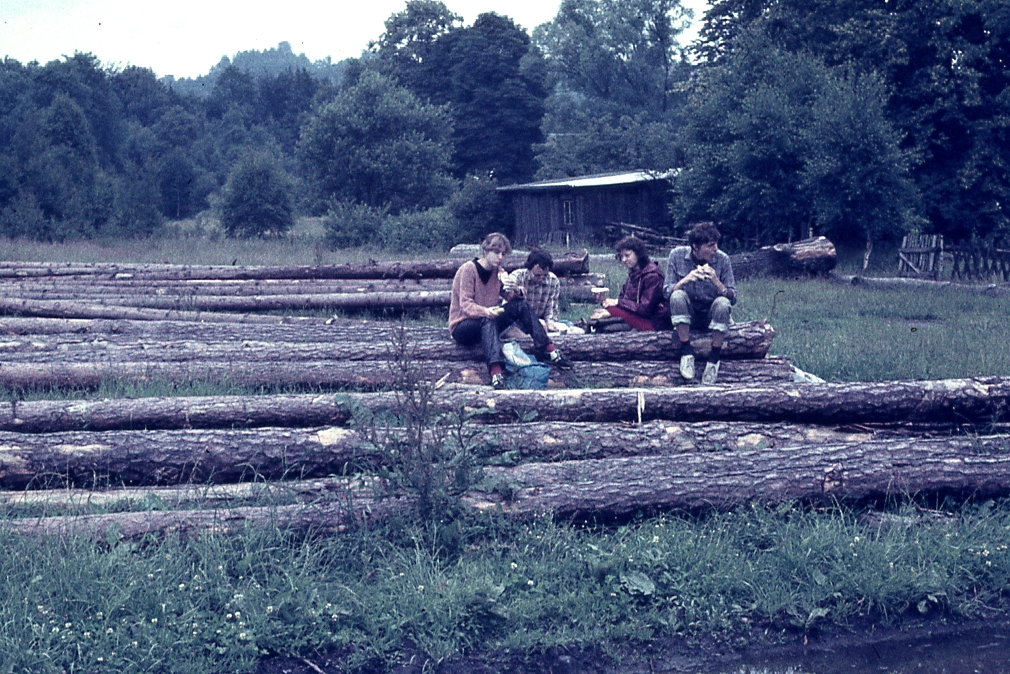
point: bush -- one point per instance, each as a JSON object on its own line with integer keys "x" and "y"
{"x": 256, "y": 200}
{"x": 350, "y": 224}
{"x": 431, "y": 229}
{"x": 478, "y": 209}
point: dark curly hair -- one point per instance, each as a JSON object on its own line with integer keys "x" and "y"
{"x": 636, "y": 246}
{"x": 702, "y": 233}
{"x": 539, "y": 256}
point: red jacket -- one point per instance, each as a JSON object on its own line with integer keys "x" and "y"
{"x": 642, "y": 294}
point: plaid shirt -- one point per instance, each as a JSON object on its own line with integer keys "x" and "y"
{"x": 542, "y": 297}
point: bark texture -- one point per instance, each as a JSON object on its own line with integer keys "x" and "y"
{"x": 980, "y": 401}
{"x": 92, "y": 369}
{"x": 204, "y": 457}
{"x": 723, "y": 480}
{"x": 355, "y": 342}
{"x": 809, "y": 257}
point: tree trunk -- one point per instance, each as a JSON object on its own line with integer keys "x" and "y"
{"x": 362, "y": 341}
{"x": 810, "y": 257}
{"x": 567, "y": 265}
{"x": 61, "y": 309}
{"x": 92, "y": 370}
{"x": 619, "y": 487}
{"x": 905, "y": 283}
{"x": 92, "y": 460}
{"x": 818, "y": 472}
{"x": 173, "y": 457}
{"x": 980, "y": 401}
{"x": 329, "y": 517}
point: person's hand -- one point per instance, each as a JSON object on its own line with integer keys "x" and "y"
{"x": 495, "y": 311}
{"x": 609, "y": 302}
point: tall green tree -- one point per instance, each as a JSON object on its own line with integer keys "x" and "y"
{"x": 378, "y": 145}
{"x": 489, "y": 74}
{"x": 944, "y": 66}
{"x": 776, "y": 143}
{"x": 256, "y": 200}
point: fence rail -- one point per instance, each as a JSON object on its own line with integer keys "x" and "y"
{"x": 977, "y": 261}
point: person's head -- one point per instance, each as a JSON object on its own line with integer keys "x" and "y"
{"x": 539, "y": 262}
{"x": 631, "y": 252}
{"x": 704, "y": 240}
{"x": 494, "y": 247}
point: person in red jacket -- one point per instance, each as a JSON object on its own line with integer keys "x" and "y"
{"x": 477, "y": 317}
{"x": 641, "y": 303}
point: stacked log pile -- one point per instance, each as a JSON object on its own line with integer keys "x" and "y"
{"x": 597, "y": 453}
{"x": 310, "y": 352}
{"x": 227, "y": 294}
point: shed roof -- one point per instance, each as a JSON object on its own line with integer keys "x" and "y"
{"x": 595, "y": 180}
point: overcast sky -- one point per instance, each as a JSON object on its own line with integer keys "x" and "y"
{"x": 186, "y": 37}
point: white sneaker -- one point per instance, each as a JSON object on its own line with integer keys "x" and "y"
{"x": 687, "y": 366}
{"x": 711, "y": 374}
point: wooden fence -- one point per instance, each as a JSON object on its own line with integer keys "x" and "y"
{"x": 928, "y": 256}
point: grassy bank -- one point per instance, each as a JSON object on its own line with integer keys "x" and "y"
{"x": 222, "y": 604}
{"x": 440, "y": 590}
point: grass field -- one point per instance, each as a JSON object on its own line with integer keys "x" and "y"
{"x": 438, "y": 590}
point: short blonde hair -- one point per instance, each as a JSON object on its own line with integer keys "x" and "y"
{"x": 497, "y": 242}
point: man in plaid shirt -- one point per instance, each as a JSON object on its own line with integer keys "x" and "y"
{"x": 540, "y": 286}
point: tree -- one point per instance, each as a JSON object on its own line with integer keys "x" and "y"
{"x": 618, "y": 71}
{"x": 776, "y": 143}
{"x": 621, "y": 55}
{"x": 491, "y": 77}
{"x": 256, "y": 200}
{"x": 944, "y": 66}
{"x": 378, "y": 145}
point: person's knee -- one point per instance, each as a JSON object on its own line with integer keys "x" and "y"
{"x": 679, "y": 302}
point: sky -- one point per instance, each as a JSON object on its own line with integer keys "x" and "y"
{"x": 185, "y": 38}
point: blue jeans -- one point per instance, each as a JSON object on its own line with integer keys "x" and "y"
{"x": 487, "y": 331}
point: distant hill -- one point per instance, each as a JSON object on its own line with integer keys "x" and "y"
{"x": 266, "y": 63}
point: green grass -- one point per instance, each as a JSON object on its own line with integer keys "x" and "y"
{"x": 851, "y": 333}
{"x": 221, "y": 604}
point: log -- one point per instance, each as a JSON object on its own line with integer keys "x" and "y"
{"x": 990, "y": 290}
{"x": 203, "y": 457}
{"x": 621, "y": 487}
{"x": 60, "y": 309}
{"x": 364, "y": 341}
{"x": 106, "y": 368}
{"x": 806, "y": 258}
{"x": 981, "y": 400}
{"x": 155, "y": 457}
{"x": 567, "y": 264}
{"x": 329, "y": 517}
{"x": 819, "y": 473}
{"x": 215, "y": 495}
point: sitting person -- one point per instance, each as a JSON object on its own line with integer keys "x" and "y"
{"x": 540, "y": 286}
{"x": 476, "y": 317}
{"x": 701, "y": 290}
{"x": 641, "y": 303}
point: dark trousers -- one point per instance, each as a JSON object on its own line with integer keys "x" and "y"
{"x": 487, "y": 331}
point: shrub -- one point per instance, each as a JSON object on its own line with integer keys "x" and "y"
{"x": 349, "y": 224}
{"x": 431, "y": 229}
{"x": 256, "y": 200}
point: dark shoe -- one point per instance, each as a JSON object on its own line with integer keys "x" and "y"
{"x": 498, "y": 381}
{"x": 557, "y": 359}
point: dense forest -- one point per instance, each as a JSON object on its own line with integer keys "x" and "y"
{"x": 859, "y": 119}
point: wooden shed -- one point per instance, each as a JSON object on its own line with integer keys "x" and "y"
{"x": 577, "y": 209}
